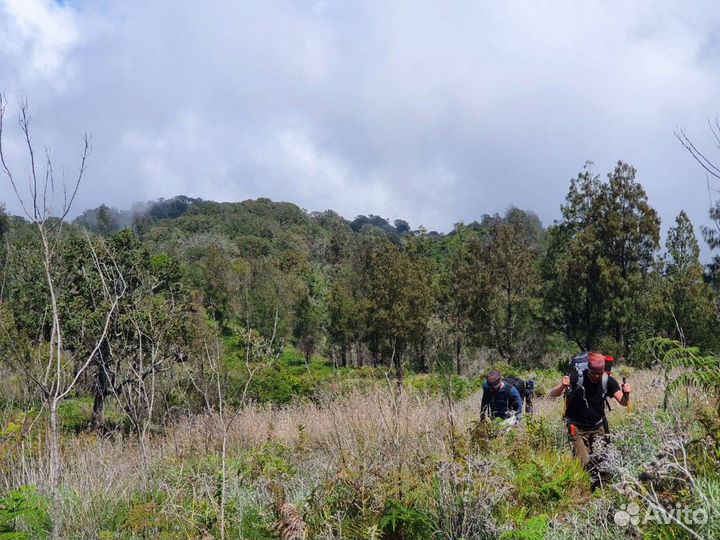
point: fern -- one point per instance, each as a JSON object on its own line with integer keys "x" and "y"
{"x": 402, "y": 521}
{"x": 24, "y": 514}
{"x": 697, "y": 370}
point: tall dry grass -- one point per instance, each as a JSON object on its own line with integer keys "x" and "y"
{"x": 360, "y": 438}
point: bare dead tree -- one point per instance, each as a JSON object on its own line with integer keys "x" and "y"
{"x": 142, "y": 348}
{"x": 62, "y": 369}
{"x": 212, "y": 355}
{"x": 712, "y": 174}
{"x": 712, "y": 177}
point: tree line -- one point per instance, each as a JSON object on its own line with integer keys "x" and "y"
{"x": 364, "y": 292}
{"x": 596, "y": 278}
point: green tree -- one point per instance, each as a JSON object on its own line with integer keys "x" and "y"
{"x": 600, "y": 258}
{"x": 529, "y": 224}
{"x": 399, "y": 300}
{"x": 308, "y": 316}
{"x": 683, "y": 251}
{"x": 149, "y": 330}
{"x": 690, "y": 315}
{"x": 458, "y": 287}
{"x": 420, "y": 250}
{"x": 573, "y": 297}
{"x": 507, "y": 314}
{"x": 268, "y": 297}
{"x": 221, "y": 285}
{"x": 106, "y": 222}
{"x": 630, "y": 230}
{"x": 344, "y": 311}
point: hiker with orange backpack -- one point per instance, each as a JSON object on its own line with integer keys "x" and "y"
{"x": 586, "y": 386}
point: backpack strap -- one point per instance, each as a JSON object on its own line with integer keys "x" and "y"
{"x": 605, "y": 377}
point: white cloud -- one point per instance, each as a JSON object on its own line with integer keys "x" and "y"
{"x": 39, "y": 34}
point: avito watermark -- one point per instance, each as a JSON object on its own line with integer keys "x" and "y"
{"x": 630, "y": 515}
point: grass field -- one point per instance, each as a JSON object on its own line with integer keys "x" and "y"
{"x": 365, "y": 461}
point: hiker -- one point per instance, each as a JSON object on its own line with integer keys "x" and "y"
{"x": 526, "y": 389}
{"x": 586, "y": 388}
{"x": 500, "y": 398}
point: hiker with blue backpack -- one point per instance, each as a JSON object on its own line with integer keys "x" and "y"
{"x": 503, "y": 397}
{"x": 586, "y": 387}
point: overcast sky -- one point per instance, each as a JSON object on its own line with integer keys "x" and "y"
{"x": 434, "y": 112}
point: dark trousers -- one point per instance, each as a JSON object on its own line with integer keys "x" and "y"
{"x": 529, "y": 401}
{"x": 584, "y": 443}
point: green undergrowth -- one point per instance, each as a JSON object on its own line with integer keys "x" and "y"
{"x": 500, "y": 484}
{"x": 492, "y": 482}
{"x": 288, "y": 377}
{"x": 24, "y": 513}
{"x": 74, "y": 416}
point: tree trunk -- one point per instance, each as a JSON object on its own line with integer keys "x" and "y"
{"x": 458, "y": 348}
{"x": 98, "y": 410}
{"x": 343, "y": 355}
{"x": 397, "y": 359}
{"x": 101, "y": 386}
{"x": 422, "y": 358}
{"x": 54, "y": 466}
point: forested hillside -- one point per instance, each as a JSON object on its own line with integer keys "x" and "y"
{"x": 190, "y": 368}
{"x": 355, "y": 291}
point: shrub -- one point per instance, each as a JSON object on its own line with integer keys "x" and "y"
{"x": 468, "y": 497}
{"x": 551, "y": 481}
{"x": 438, "y": 384}
{"x": 531, "y": 528}
{"x": 256, "y": 524}
{"x": 540, "y": 435}
{"x": 546, "y": 379}
{"x": 270, "y": 384}
{"x": 591, "y": 519}
{"x": 338, "y": 509}
{"x": 75, "y": 414}
{"x": 400, "y": 521}
{"x": 269, "y": 461}
{"x": 24, "y": 514}
{"x": 482, "y": 434}
{"x": 558, "y": 350}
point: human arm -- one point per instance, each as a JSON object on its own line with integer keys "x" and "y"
{"x": 517, "y": 402}
{"x": 485, "y": 403}
{"x": 622, "y": 396}
{"x": 560, "y": 388}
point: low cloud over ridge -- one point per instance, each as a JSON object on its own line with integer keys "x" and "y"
{"x": 434, "y": 113}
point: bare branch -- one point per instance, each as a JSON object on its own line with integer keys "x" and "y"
{"x": 116, "y": 296}
{"x": 67, "y": 204}
{"x": 712, "y": 203}
{"x": 8, "y": 173}
{"x": 715, "y": 130}
{"x": 25, "y": 127}
{"x": 706, "y": 164}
